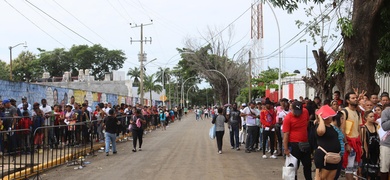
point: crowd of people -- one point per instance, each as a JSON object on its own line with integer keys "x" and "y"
{"x": 356, "y": 128}
{"x": 27, "y": 127}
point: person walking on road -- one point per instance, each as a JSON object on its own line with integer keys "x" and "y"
{"x": 137, "y": 124}
{"x": 163, "y": 120}
{"x": 234, "y": 126}
{"x": 219, "y": 128}
{"x": 111, "y": 126}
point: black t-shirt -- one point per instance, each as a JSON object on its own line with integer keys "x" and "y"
{"x": 111, "y": 124}
{"x": 8, "y": 114}
{"x": 330, "y": 142}
{"x": 235, "y": 118}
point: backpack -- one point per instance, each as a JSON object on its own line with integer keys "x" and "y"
{"x": 346, "y": 113}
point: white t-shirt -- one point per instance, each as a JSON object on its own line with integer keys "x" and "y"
{"x": 243, "y": 121}
{"x": 45, "y": 110}
{"x": 250, "y": 121}
{"x": 20, "y": 106}
{"x": 281, "y": 115}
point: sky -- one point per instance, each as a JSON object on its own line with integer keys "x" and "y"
{"x": 50, "y": 24}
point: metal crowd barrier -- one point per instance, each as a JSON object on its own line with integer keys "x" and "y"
{"x": 26, "y": 153}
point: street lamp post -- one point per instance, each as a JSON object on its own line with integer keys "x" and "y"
{"x": 10, "y": 57}
{"x": 280, "y": 60}
{"x": 187, "y": 94}
{"x": 182, "y": 90}
{"x": 227, "y": 82}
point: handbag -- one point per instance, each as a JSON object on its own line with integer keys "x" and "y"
{"x": 304, "y": 146}
{"x": 330, "y": 157}
{"x": 289, "y": 168}
{"x": 370, "y": 168}
{"x": 212, "y": 132}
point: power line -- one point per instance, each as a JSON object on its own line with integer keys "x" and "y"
{"x": 82, "y": 23}
{"x": 60, "y": 23}
{"x": 35, "y": 24}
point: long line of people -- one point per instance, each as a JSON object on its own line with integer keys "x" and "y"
{"x": 75, "y": 124}
{"x": 357, "y": 128}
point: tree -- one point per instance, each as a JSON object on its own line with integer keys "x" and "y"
{"x": 150, "y": 84}
{"x": 26, "y": 67}
{"x": 134, "y": 73}
{"x": 56, "y": 62}
{"x": 361, "y": 41}
{"x": 98, "y": 59}
{"x": 4, "y": 70}
{"x": 167, "y": 75}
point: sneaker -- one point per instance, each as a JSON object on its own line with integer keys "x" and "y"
{"x": 247, "y": 151}
{"x": 276, "y": 151}
{"x": 232, "y": 147}
{"x": 265, "y": 156}
{"x": 274, "y": 157}
{"x": 106, "y": 153}
{"x": 114, "y": 152}
{"x": 238, "y": 149}
{"x": 139, "y": 149}
{"x": 134, "y": 150}
{"x": 219, "y": 152}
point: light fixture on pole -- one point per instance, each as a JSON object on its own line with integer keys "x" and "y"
{"x": 187, "y": 93}
{"x": 227, "y": 82}
{"x": 182, "y": 90}
{"x": 10, "y": 57}
{"x": 279, "y": 52}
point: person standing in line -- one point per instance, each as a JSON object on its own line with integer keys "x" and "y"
{"x": 234, "y": 125}
{"x": 370, "y": 141}
{"x": 251, "y": 114}
{"x": 110, "y": 124}
{"x": 285, "y": 106}
{"x": 268, "y": 121}
{"x": 137, "y": 122}
{"x": 350, "y": 128}
{"x": 295, "y": 138}
{"x": 327, "y": 140}
{"x": 243, "y": 125}
{"x": 337, "y": 121}
{"x": 385, "y": 139}
{"x": 219, "y": 122}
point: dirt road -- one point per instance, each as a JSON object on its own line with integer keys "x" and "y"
{"x": 183, "y": 151}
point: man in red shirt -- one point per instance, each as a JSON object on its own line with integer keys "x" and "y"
{"x": 295, "y": 139}
{"x": 268, "y": 121}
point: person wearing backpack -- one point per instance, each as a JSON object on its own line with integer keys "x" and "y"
{"x": 370, "y": 140}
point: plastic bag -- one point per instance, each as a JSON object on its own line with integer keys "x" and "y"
{"x": 289, "y": 168}
{"x": 212, "y": 132}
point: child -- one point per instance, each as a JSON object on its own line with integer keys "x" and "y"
{"x": 25, "y": 135}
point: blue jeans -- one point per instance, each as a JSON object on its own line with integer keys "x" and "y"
{"x": 110, "y": 137}
{"x": 234, "y": 135}
{"x": 197, "y": 116}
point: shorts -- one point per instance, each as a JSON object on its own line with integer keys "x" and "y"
{"x": 384, "y": 159}
{"x": 352, "y": 165}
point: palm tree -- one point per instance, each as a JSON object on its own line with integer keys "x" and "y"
{"x": 167, "y": 75}
{"x": 134, "y": 73}
{"x": 150, "y": 84}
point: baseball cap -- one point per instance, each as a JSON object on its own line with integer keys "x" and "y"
{"x": 24, "y": 97}
{"x": 243, "y": 104}
{"x": 297, "y": 108}
{"x": 5, "y": 101}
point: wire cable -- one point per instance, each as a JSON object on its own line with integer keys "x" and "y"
{"x": 60, "y": 23}
{"x": 83, "y": 24}
{"x": 35, "y": 24}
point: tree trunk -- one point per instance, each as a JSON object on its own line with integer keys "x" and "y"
{"x": 362, "y": 49}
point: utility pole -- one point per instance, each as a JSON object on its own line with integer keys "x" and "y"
{"x": 141, "y": 57}
{"x": 250, "y": 77}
